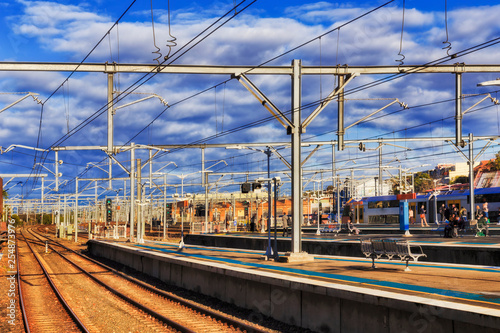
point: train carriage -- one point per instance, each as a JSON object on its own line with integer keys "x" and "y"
{"x": 385, "y": 209}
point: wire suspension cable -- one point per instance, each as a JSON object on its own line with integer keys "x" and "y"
{"x": 401, "y": 60}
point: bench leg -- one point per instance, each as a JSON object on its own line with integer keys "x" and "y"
{"x": 407, "y": 269}
{"x": 373, "y": 262}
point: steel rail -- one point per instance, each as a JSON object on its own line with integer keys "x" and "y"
{"x": 75, "y": 318}
{"x": 19, "y": 290}
{"x": 138, "y": 305}
{"x": 221, "y": 317}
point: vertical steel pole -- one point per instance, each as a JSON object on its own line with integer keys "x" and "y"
{"x": 164, "y": 206}
{"x": 76, "y": 210}
{"x": 41, "y": 200}
{"x": 58, "y": 216}
{"x": 56, "y": 153}
{"x": 150, "y": 170}
{"x": 110, "y": 113}
{"x": 458, "y": 110}
{"x": 132, "y": 190}
{"x": 296, "y": 246}
{"x": 401, "y": 180}
{"x": 275, "y": 254}
{"x": 65, "y": 222}
{"x": 340, "y": 120}
{"x": 110, "y": 125}
{"x": 380, "y": 170}
{"x": 269, "y": 249}
{"x": 205, "y": 184}
{"x": 471, "y": 175}
{"x": 140, "y": 229}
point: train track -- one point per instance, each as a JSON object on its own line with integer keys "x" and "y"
{"x": 37, "y": 287}
{"x": 179, "y": 313}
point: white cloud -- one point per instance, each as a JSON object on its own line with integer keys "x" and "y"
{"x": 70, "y": 31}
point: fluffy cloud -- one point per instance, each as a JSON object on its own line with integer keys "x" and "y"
{"x": 69, "y": 32}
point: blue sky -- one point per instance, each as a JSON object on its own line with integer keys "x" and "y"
{"x": 65, "y": 31}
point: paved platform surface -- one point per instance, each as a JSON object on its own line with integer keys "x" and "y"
{"x": 468, "y": 287}
{"x": 418, "y": 239}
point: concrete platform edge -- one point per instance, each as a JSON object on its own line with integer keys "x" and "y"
{"x": 317, "y": 305}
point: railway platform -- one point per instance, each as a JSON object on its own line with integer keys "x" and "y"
{"x": 330, "y": 294}
{"x": 462, "y": 250}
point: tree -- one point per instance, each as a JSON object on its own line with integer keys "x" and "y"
{"x": 17, "y": 220}
{"x": 495, "y": 164}
{"x": 423, "y": 182}
{"x": 460, "y": 180}
{"x": 5, "y": 194}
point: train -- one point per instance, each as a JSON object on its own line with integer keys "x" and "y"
{"x": 385, "y": 209}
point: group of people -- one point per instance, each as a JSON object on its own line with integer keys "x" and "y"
{"x": 454, "y": 218}
{"x": 482, "y": 217}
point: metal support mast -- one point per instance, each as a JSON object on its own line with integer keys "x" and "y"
{"x": 296, "y": 162}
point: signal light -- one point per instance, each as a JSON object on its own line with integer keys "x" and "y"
{"x": 245, "y": 187}
{"x": 109, "y": 210}
{"x": 256, "y": 186}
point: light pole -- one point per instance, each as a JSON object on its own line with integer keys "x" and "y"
{"x": 268, "y": 152}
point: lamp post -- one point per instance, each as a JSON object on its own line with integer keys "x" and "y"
{"x": 268, "y": 152}
{"x": 276, "y": 181}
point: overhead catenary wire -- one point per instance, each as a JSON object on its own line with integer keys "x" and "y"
{"x": 401, "y": 60}
{"x": 98, "y": 113}
{"x": 145, "y": 78}
{"x": 68, "y": 77}
{"x": 447, "y": 43}
{"x": 157, "y": 52}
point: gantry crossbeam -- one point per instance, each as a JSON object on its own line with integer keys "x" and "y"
{"x": 229, "y": 70}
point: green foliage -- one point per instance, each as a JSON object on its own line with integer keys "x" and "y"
{"x": 423, "y": 182}
{"x": 17, "y": 219}
{"x": 5, "y": 194}
{"x": 460, "y": 180}
{"x": 495, "y": 164}
{"x": 47, "y": 219}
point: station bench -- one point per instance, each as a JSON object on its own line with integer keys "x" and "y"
{"x": 336, "y": 228}
{"x": 332, "y": 228}
{"x": 391, "y": 248}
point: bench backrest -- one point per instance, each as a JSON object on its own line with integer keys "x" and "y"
{"x": 403, "y": 248}
{"x": 366, "y": 246}
{"x": 390, "y": 246}
{"x": 378, "y": 246}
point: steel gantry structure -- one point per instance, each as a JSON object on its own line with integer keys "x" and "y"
{"x": 295, "y": 127}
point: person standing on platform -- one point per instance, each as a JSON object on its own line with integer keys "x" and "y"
{"x": 441, "y": 212}
{"x": 485, "y": 208}
{"x": 463, "y": 218}
{"x": 252, "y": 223}
{"x": 412, "y": 218}
{"x": 478, "y": 214}
{"x": 447, "y": 213}
{"x": 422, "y": 213}
{"x": 285, "y": 225}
